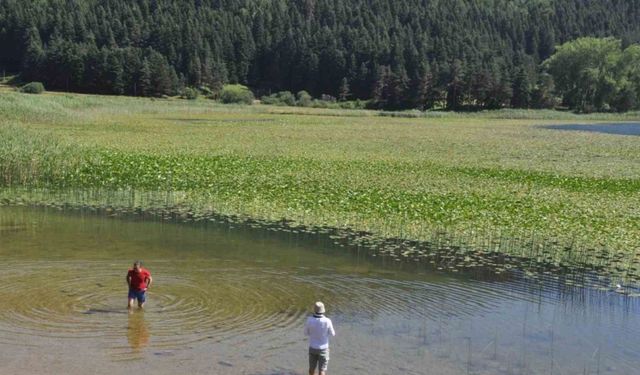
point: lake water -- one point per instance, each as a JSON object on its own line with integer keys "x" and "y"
{"x": 233, "y": 300}
{"x": 614, "y": 128}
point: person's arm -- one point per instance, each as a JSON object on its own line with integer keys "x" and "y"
{"x": 307, "y": 332}
{"x": 129, "y": 280}
{"x": 149, "y": 281}
{"x": 332, "y": 331}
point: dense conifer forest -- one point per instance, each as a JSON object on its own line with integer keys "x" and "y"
{"x": 398, "y": 53}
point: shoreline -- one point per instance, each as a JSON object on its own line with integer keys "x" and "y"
{"x": 503, "y": 185}
{"x": 442, "y": 252}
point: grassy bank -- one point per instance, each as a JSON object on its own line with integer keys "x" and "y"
{"x": 482, "y": 176}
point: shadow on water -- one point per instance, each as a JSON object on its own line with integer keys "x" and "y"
{"x": 137, "y": 331}
{"x": 612, "y": 128}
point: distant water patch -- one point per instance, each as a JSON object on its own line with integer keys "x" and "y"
{"x": 625, "y": 128}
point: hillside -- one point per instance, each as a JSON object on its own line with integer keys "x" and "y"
{"x": 409, "y": 53}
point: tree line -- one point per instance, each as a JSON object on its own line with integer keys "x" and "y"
{"x": 396, "y": 53}
{"x": 597, "y": 74}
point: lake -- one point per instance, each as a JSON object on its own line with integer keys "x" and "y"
{"x": 614, "y": 128}
{"x": 233, "y": 299}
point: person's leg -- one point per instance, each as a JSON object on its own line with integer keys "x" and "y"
{"x": 323, "y": 362}
{"x": 131, "y": 299}
{"x": 142, "y": 298}
{"x": 313, "y": 362}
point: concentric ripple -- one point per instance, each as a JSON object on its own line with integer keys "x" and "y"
{"x": 211, "y": 300}
{"x": 237, "y": 301}
{"x": 187, "y": 304}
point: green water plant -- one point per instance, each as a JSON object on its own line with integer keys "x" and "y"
{"x": 491, "y": 184}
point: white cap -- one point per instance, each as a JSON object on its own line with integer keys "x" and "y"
{"x": 318, "y": 308}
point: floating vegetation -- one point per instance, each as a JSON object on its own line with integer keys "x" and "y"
{"x": 491, "y": 257}
{"x": 465, "y": 186}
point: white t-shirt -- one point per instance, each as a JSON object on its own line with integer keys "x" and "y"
{"x": 318, "y": 328}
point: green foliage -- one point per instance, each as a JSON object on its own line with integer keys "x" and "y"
{"x": 456, "y": 87}
{"x": 543, "y": 94}
{"x": 397, "y": 177}
{"x": 411, "y": 55}
{"x": 287, "y": 98}
{"x": 283, "y": 98}
{"x": 236, "y": 94}
{"x": 345, "y": 90}
{"x": 595, "y": 74}
{"x": 351, "y": 104}
{"x": 209, "y": 93}
{"x": 304, "y": 99}
{"x": 190, "y": 93}
{"x": 32, "y": 88}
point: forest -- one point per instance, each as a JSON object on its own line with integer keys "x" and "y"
{"x": 397, "y": 54}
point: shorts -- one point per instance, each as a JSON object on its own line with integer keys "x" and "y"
{"x": 140, "y": 295}
{"x": 319, "y": 358}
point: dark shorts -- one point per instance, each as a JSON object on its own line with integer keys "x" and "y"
{"x": 318, "y": 358}
{"x": 140, "y": 295}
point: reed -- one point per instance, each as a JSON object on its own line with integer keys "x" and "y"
{"x": 473, "y": 183}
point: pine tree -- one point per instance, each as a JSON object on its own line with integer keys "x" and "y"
{"x": 521, "y": 90}
{"x": 195, "y": 71}
{"x": 455, "y": 86}
{"x": 481, "y": 85}
{"x": 398, "y": 90}
{"x": 160, "y": 75}
{"x": 63, "y": 65}
{"x": 218, "y": 77}
{"x": 344, "y": 93}
{"x": 92, "y": 76}
{"x": 500, "y": 95}
{"x": 362, "y": 88}
{"x": 114, "y": 73}
{"x": 145, "y": 84}
{"x": 34, "y": 55}
{"x": 176, "y": 85}
{"x": 132, "y": 64}
{"x": 380, "y": 92}
{"x": 542, "y": 95}
{"x": 313, "y": 45}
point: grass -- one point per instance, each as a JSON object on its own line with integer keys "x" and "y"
{"x": 475, "y": 176}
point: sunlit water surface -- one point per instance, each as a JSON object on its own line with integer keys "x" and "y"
{"x": 234, "y": 300}
{"x": 623, "y": 128}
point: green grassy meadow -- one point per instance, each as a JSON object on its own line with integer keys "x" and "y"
{"x": 477, "y": 176}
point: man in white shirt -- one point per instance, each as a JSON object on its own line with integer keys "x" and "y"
{"x": 318, "y": 328}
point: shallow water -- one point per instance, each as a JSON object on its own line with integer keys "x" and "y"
{"x": 614, "y": 128}
{"x": 233, "y": 300}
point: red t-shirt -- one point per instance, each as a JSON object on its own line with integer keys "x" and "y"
{"x": 138, "y": 279}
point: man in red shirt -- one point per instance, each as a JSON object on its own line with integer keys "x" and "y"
{"x": 139, "y": 280}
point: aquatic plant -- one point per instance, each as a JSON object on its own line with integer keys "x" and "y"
{"x": 505, "y": 186}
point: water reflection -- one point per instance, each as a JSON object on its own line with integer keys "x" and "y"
{"x": 137, "y": 331}
{"x": 233, "y": 301}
